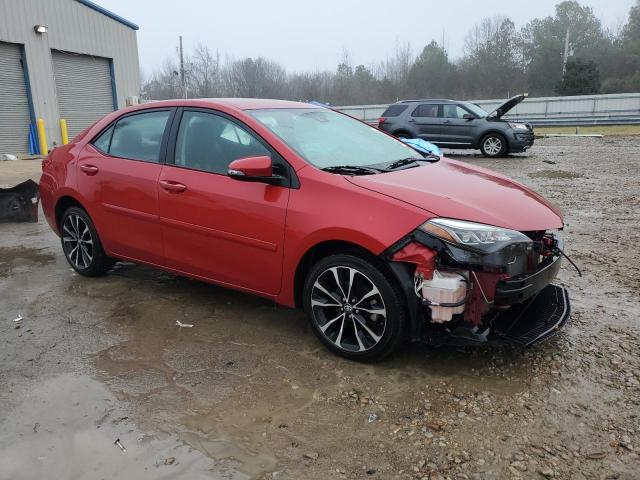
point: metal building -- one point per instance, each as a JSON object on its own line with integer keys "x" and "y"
{"x": 61, "y": 59}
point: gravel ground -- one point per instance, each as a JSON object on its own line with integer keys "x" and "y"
{"x": 248, "y": 392}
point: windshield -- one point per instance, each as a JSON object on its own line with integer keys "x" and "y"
{"x": 475, "y": 109}
{"x": 326, "y": 138}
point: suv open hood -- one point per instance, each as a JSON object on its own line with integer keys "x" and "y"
{"x": 508, "y": 105}
{"x": 453, "y": 189}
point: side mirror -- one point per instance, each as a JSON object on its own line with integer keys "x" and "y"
{"x": 254, "y": 169}
{"x": 469, "y": 116}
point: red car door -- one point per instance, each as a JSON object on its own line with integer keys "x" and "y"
{"x": 213, "y": 226}
{"x": 118, "y": 176}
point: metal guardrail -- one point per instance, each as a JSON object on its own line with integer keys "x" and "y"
{"x": 615, "y": 109}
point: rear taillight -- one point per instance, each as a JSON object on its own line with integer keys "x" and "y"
{"x": 381, "y": 120}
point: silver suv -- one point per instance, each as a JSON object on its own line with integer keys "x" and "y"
{"x": 454, "y": 124}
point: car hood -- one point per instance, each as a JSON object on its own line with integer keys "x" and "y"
{"x": 508, "y": 105}
{"x": 453, "y": 189}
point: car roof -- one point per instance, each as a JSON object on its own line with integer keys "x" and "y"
{"x": 234, "y": 103}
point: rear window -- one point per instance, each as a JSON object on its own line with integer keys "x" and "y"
{"x": 394, "y": 110}
{"x": 135, "y": 137}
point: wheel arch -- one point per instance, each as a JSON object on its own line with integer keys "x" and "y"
{"x": 489, "y": 132}
{"x": 63, "y": 203}
{"x": 320, "y": 250}
{"x": 399, "y": 131}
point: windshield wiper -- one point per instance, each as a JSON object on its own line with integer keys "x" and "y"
{"x": 402, "y": 162}
{"x": 352, "y": 170}
{"x": 411, "y": 160}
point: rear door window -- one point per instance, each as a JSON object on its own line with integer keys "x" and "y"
{"x": 394, "y": 110}
{"x": 426, "y": 110}
{"x": 139, "y": 136}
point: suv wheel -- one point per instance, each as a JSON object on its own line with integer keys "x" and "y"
{"x": 493, "y": 145}
{"x": 402, "y": 134}
{"x": 81, "y": 244}
{"x": 354, "y": 308}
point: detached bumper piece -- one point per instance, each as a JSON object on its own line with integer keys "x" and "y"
{"x": 535, "y": 320}
{"x": 19, "y": 203}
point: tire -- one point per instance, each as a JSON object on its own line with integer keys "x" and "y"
{"x": 493, "y": 145}
{"x": 362, "y": 334}
{"x": 81, "y": 244}
{"x": 402, "y": 134}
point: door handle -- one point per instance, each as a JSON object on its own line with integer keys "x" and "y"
{"x": 89, "y": 169}
{"x": 411, "y": 120}
{"x": 447, "y": 121}
{"x": 171, "y": 186}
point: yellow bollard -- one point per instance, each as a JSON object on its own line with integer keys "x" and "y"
{"x": 63, "y": 131}
{"x": 42, "y": 137}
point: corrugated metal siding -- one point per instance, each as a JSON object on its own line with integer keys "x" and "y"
{"x": 14, "y": 105}
{"x": 73, "y": 27}
{"x": 83, "y": 87}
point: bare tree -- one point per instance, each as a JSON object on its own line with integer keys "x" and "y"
{"x": 498, "y": 61}
{"x": 256, "y": 78}
{"x": 203, "y": 69}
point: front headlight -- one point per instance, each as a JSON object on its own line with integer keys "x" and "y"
{"x": 518, "y": 126}
{"x": 472, "y": 236}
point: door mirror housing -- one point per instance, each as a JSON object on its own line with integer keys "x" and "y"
{"x": 469, "y": 116}
{"x": 255, "y": 169}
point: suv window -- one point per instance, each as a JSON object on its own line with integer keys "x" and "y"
{"x": 394, "y": 110}
{"x": 453, "y": 111}
{"x": 210, "y": 142}
{"x": 426, "y": 110}
{"x": 137, "y": 137}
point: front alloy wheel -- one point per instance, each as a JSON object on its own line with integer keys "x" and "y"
{"x": 493, "y": 145}
{"x": 354, "y": 308}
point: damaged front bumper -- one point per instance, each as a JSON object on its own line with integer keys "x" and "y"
{"x": 508, "y": 295}
{"x": 535, "y": 320}
{"x": 19, "y": 203}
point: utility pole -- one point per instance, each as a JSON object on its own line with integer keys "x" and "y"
{"x": 182, "y": 83}
{"x": 566, "y": 51}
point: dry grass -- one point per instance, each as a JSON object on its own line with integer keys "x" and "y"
{"x": 599, "y": 129}
{"x": 14, "y": 172}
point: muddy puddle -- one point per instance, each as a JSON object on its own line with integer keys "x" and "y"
{"x": 22, "y": 260}
{"x": 67, "y": 426}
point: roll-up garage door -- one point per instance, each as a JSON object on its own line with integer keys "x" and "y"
{"x": 83, "y": 86}
{"x": 14, "y": 102}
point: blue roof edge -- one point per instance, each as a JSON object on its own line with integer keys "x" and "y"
{"x": 104, "y": 11}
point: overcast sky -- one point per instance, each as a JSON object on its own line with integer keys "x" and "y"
{"x": 312, "y": 34}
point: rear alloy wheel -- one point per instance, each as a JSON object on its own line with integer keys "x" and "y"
{"x": 81, "y": 244}
{"x": 493, "y": 145}
{"x": 354, "y": 308}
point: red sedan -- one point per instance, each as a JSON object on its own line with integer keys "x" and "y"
{"x": 378, "y": 242}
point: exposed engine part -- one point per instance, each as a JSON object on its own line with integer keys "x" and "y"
{"x": 483, "y": 287}
{"x": 446, "y": 294}
{"x": 561, "y": 252}
{"x": 423, "y": 257}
